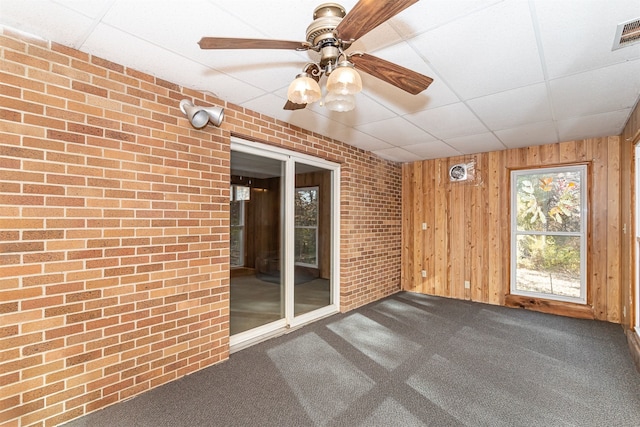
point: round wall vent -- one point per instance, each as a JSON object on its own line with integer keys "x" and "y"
{"x": 458, "y": 172}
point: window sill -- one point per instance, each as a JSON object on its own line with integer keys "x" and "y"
{"x": 561, "y": 308}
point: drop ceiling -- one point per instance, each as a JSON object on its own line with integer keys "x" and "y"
{"x": 507, "y": 74}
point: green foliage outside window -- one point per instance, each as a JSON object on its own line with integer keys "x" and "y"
{"x": 549, "y": 203}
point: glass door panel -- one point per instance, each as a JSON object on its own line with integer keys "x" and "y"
{"x": 312, "y": 238}
{"x": 256, "y": 261}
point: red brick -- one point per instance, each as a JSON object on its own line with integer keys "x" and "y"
{"x": 31, "y": 304}
{"x": 42, "y": 347}
{"x": 66, "y": 136}
{"x": 93, "y": 90}
{"x": 83, "y": 358}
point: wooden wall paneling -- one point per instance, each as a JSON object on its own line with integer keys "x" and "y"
{"x": 598, "y": 217}
{"x": 630, "y": 137}
{"x": 567, "y": 151}
{"x": 476, "y": 260}
{"x": 533, "y": 155}
{"x": 406, "y": 279}
{"x": 613, "y": 226}
{"x": 409, "y": 260}
{"x": 468, "y": 234}
{"x": 468, "y": 237}
{"x": 549, "y": 154}
{"x": 418, "y": 234}
{"x": 483, "y": 294}
{"x": 626, "y": 219}
{"x": 583, "y": 151}
{"x": 505, "y": 230}
{"x": 441, "y": 239}
{"x": 456, "y": 208}
{"x": 428, "y": 187}
{"x": 495, "y": 173}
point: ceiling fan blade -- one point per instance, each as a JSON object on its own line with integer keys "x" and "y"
{"x": 293, "y": 106}
{"x": 404, "y": 78}
{"x": 235, "y": 43}
{"x": 367, "y": 15}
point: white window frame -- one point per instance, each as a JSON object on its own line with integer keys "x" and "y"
{"x": 582, "y": 299}
{"x": 315, "y": 227}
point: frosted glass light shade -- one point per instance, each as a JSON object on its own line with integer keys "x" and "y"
{"x": 340, "y": 103}
{"x": 304, "y": 90}
{"x": 344, "y": 80}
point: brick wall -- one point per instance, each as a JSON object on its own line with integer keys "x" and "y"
{"x": 114, "y": 230}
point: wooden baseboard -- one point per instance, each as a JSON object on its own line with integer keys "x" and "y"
{"x": 634, "y": 346}
{"x": 560, "y": 308}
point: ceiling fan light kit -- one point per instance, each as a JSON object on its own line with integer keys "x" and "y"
{"x": 339, "y": 102}
{"x": 304, "y": 90}
{"x": 331, "y": 33}
{"x": 344, "y": 80}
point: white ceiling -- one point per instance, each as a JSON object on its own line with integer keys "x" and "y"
{"x": 507, "y": 73}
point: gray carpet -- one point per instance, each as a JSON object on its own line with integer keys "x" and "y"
{"x": 408, "y": 360}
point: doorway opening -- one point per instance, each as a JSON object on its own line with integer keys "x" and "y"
{"x": 284, "y": 241}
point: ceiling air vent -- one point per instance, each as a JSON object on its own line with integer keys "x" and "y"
{"x": 627, "y": 34}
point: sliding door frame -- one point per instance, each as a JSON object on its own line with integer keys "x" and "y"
{"x": 289, "y": 159}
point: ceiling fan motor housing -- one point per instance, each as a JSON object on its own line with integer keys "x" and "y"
{"x": 320, "y": 32}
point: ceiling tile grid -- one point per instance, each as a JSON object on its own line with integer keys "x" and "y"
{"x": 507, "y": 73}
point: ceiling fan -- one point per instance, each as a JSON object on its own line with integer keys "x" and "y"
{"x": 330, "y": 34}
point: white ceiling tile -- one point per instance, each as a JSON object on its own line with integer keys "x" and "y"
{"x": 380, "y": 37}
{"x": 476, "y": 143}
{"x": 514, "y": 107}
{"x": 204, "y": 20}
{"x": 271, "y": 105}
{"x": 528, "y": 135}
{"x": 426, "y": 15}
{"x": 397, "y": 154}
{"x": 48, "y": 20}
{"x": 278, "y": 19}
{"x": 436, "y": 95}
{"x": 265, "y": 69}
{"x": 396, "y": 131}
{"x": 432, "y": 150}
{"x": 606, "y": 89}
{"x": 489, "y": 51}
{"x": 450, "y": 121}
{"x": 351, "y": 136}
{"x": 155, "y": 60}
{"x": 605, "y": 124}
{"x": 366, "y": 110}
{"x": 90, "y": 8}
{"x": 592, "y": 29}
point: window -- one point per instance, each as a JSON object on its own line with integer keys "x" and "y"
{"x": 548, "y": 233}
{"x": 239, "y": 195}
{"x": 306, "y": 226}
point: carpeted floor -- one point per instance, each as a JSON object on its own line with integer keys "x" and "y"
{"x": 408, "y": 360}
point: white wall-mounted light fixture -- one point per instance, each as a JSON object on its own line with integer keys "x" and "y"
{"x": 200, "y": 116}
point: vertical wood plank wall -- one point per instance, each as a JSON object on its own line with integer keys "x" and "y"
{"x": 467, "y": 237}
{"x": 630, "y": 138}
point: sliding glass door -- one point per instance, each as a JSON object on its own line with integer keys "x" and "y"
{"x": 283, "y": 240}
{"x": 312, "y": 238}
{"x": 256, "y": 212}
